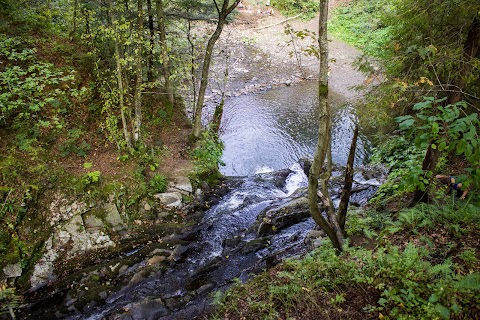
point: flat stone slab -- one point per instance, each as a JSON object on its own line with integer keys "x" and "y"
{"x": 169, "y": 199}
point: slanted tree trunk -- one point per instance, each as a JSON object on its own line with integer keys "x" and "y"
{"x": 162, "y": 32}
{"x": 347, "y": 187}
{"x": 470, "y": 50}
{"x": 138, "y": 71}
{"x": 119, "y": 78}
{"x": 223, "y": 13}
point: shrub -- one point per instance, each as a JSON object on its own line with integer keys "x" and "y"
{"x": 158, "y": 183}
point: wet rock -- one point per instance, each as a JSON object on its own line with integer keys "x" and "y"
{"x": 279, "y": 217}
{"x": 155, "y": 260}
{"x": 137, "y": 278}
{"x": 205, "y": 288}
{"x": 231, "y": 243}
{"x": 148, "y": 309}
{"x": 169, "y": 199}
{"x": 255, "y": 245}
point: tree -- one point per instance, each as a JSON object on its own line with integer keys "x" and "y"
{"x": 164, "y": 51}
{"x": 118, "y": 64}
{"x": 222, "y": 13}
{"x": 335, "y": 223}
{"x": 138, "y": 70}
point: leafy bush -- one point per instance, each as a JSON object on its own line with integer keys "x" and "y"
{"x": 73, "y": 144}
{"x": 158, "y": 183}
{"x": 26, "y": 97}
{"x": 449, "y": 128}
{"x": 406, "y": 284}
{"x": 206, "y": 157}
{"x": 402, "y": 158}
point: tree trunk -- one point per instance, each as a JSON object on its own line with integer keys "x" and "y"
{"x": 192, "y": 62}
{"x": 323, "y": 141}
{"x": 119, "y": 80}
{"x": 164, "y": 52}
{"x": 347, "y": 187}
{"x": 152, "y": 42}
{"x": 223, "y": 13}
{"x": 139, "y": 75}
{"x": 74, "y": 27}
{"x": 470, "y": 50}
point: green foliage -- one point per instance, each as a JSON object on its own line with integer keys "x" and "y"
{"x": 26, "y": 97}
{"x": 402, "y": 158}
{"x": 91, "y": 177}
{"x": 308, "y": 8}
{"x": 407, "y": 284}
{"x": 158, "y": 183}
{"x": 361, "y": 25}
{"x": 9, "y": 301}
{"x": 74, "y": 144}
{"x": 206, "y": 158}
{"x": 449, "y": 129}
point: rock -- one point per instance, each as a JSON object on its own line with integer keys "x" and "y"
{"x": 279, "y": 217}
{"x": 13, "y": 270}
{"x": 147, "y": 206}
{"x": 169, "y": 199}
{"x": 137, "y": 277}
{"x": 205, "y": 288}
{"x": 184, "y": 184}
{"x": 155, "y": 260}
{"x": 255, "y": 245}
{"x": 92, "y": 222}
{"x": 113, "y": 216}
{"x": 147, "y": 309}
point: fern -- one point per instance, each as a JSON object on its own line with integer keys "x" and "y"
{"x": 469, "y": 282}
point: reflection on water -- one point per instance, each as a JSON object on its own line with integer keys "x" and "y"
{"x": 272, "y": 130}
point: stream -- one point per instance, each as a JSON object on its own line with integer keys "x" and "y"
{"x": 261, "y": 219}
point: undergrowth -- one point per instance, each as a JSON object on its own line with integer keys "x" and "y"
{"x": 400, "y": 280}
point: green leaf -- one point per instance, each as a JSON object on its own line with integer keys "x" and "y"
{"x": 87, "y": 165}
{"x": 442, "y": 146}
{"x": 435, "y": 127}
{"x": 443, "y": 311}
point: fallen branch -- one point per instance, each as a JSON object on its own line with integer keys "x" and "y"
{"x": 275, "y": 24}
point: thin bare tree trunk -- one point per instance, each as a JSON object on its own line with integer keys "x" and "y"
{"x": 138, "y": 71}
{"x": 164, "y": 52}
{"x": 119, "y": 80}
{"x": 74, "y": 27}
